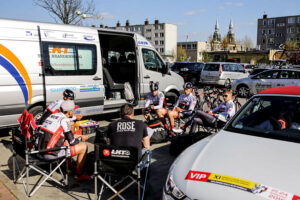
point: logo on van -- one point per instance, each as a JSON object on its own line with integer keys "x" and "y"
{"x": 143, "y": 43}
{"x": 13, "y": 65}
{"x": 88, "y": 37}
{"x": 89, "y": 88}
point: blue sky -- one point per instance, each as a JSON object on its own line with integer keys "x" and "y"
{"x": 195, "y": 18}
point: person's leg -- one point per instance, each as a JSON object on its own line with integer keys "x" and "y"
{"x": 161, "y": 113}
{"x": 195, "y": 122}
{"x": 172, "y": 116}
{"x": 81, "y": 152}
{"x": 206, "y": 118}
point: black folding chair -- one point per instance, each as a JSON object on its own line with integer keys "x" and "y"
{"x": 23, "y": 142}
{"x": 124, "y": 162}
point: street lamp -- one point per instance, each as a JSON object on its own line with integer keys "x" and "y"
{"x": 93, "y": 16}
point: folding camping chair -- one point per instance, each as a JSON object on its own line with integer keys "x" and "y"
{"x": 23, "y": 141}
{"x": 113, "y": 161}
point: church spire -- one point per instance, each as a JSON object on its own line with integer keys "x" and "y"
{"x": 230, "y": 34}
{"x": 217, "y": 35}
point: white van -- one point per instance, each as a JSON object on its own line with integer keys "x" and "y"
{"x": 222, "y": 73}
{"x": 38, "y": 61}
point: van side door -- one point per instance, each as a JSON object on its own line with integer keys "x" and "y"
{"x": 74, "y": 66}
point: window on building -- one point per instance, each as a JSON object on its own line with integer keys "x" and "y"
{"x": 161, "y": 42}
{"x": 131, "y": 28}
{"x": 162, "y": 50}
{"x": 148, "y": 30}
{"x": 271, "y": 40}
{"x": 264, "y": 22}
{"x": 162, "y": 27}
{"x": 161, "y": 34}
{"x": 280, "y": 24}
{"x": 263, "y": 32}
{"x": 271, "y": 31}
{"x": 194, "y": 46}
{"x": 156, "y": 42}
{"x": 148, "y": 38}
{"x": 156, "y": 34}
{"x": 184, "y": 46}
{"x": 291, "y": 30}
{"x": 67, "y": 59}
{"x": 152, "y": 61}
{"x": 188, "y": 46}
{"x": 156, "y": 27}
{"x": 291, "y": 20}
{"x": 271, "y": 21}
{"x": 263, "y": 41}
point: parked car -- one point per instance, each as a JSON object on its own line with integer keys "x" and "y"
{"x": 256, "y": 71}
{"x": 222, "y": 73}
{"x": 266, "y": 79}
{"x": 192, "y": 72}
{"x": 254, "y": 157}
{"x": 177, "y": 66}
{"x": 248, "y": 67}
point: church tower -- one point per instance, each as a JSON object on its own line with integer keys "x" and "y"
{"x": 230, "y": 34}
{"x": 217, "y": 35}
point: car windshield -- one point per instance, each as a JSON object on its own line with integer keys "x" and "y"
{"x": 274, "y": 117}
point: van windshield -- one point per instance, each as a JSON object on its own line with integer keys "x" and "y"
{"x": 211, "y": 67}
{"x": 273, "y": 117}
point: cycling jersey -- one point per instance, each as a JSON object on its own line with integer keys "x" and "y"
{"x": 53, "y": 132}
{"x": 157, "y": 101}
{"x": 227, "y": 107}
{"x": 186, "y": 102}
{"x": 52, "y": 109}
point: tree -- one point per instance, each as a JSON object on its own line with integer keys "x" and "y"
{"x": 291, "y": 45}
{"x": 205, "y": 56}
{"x": 247, "y": 42}
{"x": 65, "y": 11}
{"x": 181, "y": 54}
{"x": 224, "y": 43}
{"x": 211, "y": 42}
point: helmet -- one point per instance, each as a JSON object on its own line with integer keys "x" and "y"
{"x": 69, "y": 94}
{"x": 187, "y": 85}
{"x": 153, "y": 86}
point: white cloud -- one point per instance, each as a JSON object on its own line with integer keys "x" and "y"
{"x": 239, "y": 4}
{"x": 192, "y": 12}
{"x": 221, "y": 7}
{"x": 228, "y": 3}
{"x": 107, "y": 15}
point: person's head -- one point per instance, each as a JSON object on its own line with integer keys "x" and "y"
{"x": 227, "y": 95}
{"x": 188, "y": 87}
{"x": 67, "y": 108}
{"x": 68, "y": 94}
{"x": 154, "y": 88}
{"x": 127, "y": 110}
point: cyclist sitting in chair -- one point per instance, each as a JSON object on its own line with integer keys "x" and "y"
{"x": 155, "y": 103}
{"x": 223, "y": 112}
{"x": 186, "y": 102}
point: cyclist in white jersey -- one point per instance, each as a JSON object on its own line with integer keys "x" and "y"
{"x": 55, "y": 106}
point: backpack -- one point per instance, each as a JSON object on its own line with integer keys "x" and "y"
{"x": 159, "y": 134}
{"x": 180, "y": 143}
{"x": 128, "y": 93}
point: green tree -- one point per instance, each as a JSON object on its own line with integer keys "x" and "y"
{"x": 65, "y": 11}
{"x": 225, "y": 43}
{"x": 205, "y": 56}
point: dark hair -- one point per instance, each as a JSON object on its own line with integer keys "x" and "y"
{"x": 126, "y": 109}
{"x": 227, "y": 91}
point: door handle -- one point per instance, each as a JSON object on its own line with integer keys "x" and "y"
{"x": 147, "y": 76}
{"x": 96, "y": 78}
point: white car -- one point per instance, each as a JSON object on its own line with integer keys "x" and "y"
{"x": 266, "y": 79}
{"x": 256, "y": 156}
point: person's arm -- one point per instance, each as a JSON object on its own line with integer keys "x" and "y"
{"x": 147, "y": 103}
{"x": 216, "y": 109}
{"x": 177, "y": 103}
{"x": 66, "y": 125}
{"x": 192, "y": 105}
{"x": 161, "y": 102}
{"x": 45, "y": 115}
{"x": 146, "y": 138}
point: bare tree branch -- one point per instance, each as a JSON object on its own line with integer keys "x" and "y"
{"x": 65, "y": 10}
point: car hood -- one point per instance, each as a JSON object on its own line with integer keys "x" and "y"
{"x": 269, "y": 162}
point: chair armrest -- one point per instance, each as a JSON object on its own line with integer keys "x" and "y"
{"x": 49, "y": 150}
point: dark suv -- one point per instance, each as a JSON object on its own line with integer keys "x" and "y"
{"x": 191, "y": 72}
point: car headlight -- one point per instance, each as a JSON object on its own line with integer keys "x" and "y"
{"x": 173, "y": 190}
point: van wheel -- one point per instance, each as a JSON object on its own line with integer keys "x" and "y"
{"x": 227, "y": 83}
{"x": 171, "y": 98}
{"x": 243, "y": 91}
{"x": 37, "y": 112}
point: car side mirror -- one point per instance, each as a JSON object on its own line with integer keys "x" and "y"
{"x": 166, "y": 69}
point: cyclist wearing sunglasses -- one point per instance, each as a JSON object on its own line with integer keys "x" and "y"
{"x": 226, "y": 108}
{"x": 55, "y": 106}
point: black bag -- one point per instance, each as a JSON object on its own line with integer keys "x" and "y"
{"x": 180, "y": 143}
{"x": 101, "y": 135}
{"x": 159, "y": 134}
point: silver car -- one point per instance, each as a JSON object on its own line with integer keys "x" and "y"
{"x": 255, "y": 157}
{"x": 266, "y": 79}
{"x": 222, "y": 73}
